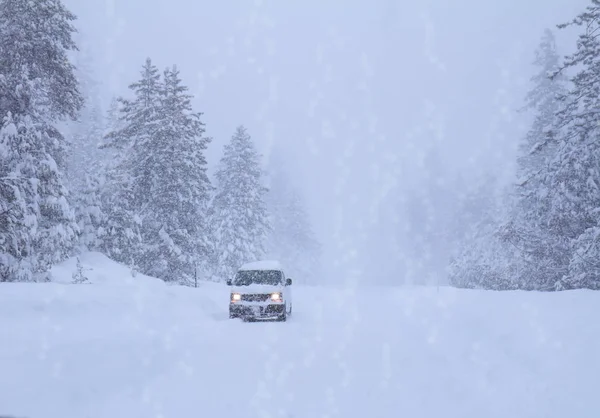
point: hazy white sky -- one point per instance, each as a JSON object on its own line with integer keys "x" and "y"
{"x": 352, "y": 89}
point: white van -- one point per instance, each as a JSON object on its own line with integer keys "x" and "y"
{"x": 260, "y": 290}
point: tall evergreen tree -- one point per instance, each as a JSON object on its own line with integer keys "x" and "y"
{"x": 575, "y": 172}
{"x": 239, "y": 217}
{"x": 38, "y": 88}
{"x": 85, "y": 133}
{"x": 38, "y": 79}
{"x": 139, "y": 116}
{"x": 291, "y": 239}
{"x": 127, "y": 179}
{"x": 303, "y": 254}
{"x": 555, "y": 223}
{"x": 86, "y": 163}
{"x": 543, "y": 253}
{"x": 425, "y": 220}
{"x": 16, "y": 200}
{"x": 483, "y": 259}
{"x": 176, "y": 201}
{"x": 161, "y": 186}
{"x": 89, "y": 214}
{"x": 112, "y": 122}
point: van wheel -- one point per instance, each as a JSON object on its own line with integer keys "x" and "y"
{"x": 283, "y": 316}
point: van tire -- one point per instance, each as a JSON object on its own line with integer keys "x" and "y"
{"x": 283, "y": 316}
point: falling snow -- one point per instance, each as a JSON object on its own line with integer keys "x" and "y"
{"x": 427, "y": 173}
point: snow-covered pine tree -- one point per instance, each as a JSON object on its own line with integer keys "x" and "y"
{"x": 543, "y": 255}
{"x": 175, "y": 205}
{"x": 78, "y": 275}
{"x": 89, "y": 213}
{"x": 303, "y": 256}
{"x": 575, "y": 172}
{"x": 37, "y": 89}
{"x": 425, "y": 220}
{"x": 112, "y": 122}
{"x": 239, "y": 217}
{"x": 139, "y": 116}
{"x": 86, "y": 168}
{"x": 126, "y": 186}
{"x": 85, "y": 134}
{"x": 483, "y": 259}
{"x": 291, "y": 239}
{"x": 16, "y": 226}
{"x": 473, "y": 202}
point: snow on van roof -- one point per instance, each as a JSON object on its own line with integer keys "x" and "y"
{"x": 262, "y": 265}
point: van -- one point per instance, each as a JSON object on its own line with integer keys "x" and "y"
{"x": 260, "y": 291}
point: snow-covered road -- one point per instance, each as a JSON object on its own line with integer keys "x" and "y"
{"x": 156, "y": 351}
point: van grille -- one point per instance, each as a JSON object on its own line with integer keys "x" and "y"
{"x": 256, "y": 297}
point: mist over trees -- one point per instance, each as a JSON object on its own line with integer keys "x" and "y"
{"x": 545, "y": 233}
{"x": 291, "y": 238}
{"x": 130, "y": 181}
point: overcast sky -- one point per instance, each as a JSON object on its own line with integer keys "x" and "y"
{"x": 353, "y": 90}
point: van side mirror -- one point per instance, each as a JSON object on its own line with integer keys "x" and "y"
{"x": 228, "y": 282}
{"x": 288, "y": 282}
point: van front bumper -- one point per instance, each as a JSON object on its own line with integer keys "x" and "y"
{"x": 256, "y": 311}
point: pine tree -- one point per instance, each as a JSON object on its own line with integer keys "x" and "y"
{"x": 474, "y": 201}
{"x": 86, "y": 168}
{"x": 575, "y": 172}
{"x": 109, "y": 154}
{"x": 38, "y": 79}
{"x": 483, "y": 259}
{"x": 239, "y": 218}
{"x": 424, "y": 223}
{"x": 176, "y": 201}
{"x": 85, "y": 133}
{"x": 37, "y": 89}
{"x": 138, "y": 117}
{"x": 127, "y": 179}
{"x": 90, "y": 215}
{"x": 112, "y": 122}
{"x": 79, "y": 276}
{"x": 16, "y": 226}
{"x": 542, "y": 254}
{"x": 303, "y": 254}
{"x": 291, "y": 239}
{"x": 158, "y": 192}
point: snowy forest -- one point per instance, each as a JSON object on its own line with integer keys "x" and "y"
{"x": 543, "y": 232}
{"x": 131, "y": 181}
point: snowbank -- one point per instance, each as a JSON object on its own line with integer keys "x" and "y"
{"x": 145, "y": 349}
{"x": 100, "y": 269}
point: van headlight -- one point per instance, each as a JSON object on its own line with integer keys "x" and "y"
{"x": 236, "y": 297}
{"x": 276, "y": 297}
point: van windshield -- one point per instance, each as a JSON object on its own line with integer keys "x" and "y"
{"x": 248, "y": 277}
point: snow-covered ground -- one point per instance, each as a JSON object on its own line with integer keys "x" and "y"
{"x": 123, "y": 347}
